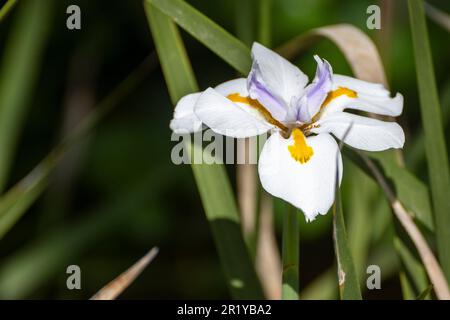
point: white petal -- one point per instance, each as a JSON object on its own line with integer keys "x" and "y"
{"x": 362, "y": 132}
{"x": 228, "y": 118}
{"x": 282, "y": 81}
{"x": 309, "y": 186}
{"x": 184, "y": 119}
{"x": 238, "y": 86}
{"x": 371, "y": 97}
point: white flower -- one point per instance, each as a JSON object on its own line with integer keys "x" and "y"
{"x": 300, "y": 161}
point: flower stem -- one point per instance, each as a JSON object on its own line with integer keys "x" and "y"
{"x": 290, "y": 254}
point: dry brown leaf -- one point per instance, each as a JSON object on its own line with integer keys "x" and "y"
{"x": 119, "y": 284}
{"x": 359, "y": 50}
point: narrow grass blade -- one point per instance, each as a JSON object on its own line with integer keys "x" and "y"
{"x": 18, "y": 74}
{"x": 113, "y": 289}
{"x": 324, "y": 286}
{"x": 214, "y": 37}
{"x": 416, "y": 155}
{"x": 30, "y": 267}
{"x": 265, "y": 22}
{"x": 435, "y": 146}
{"x": 245, "y": 20}
{"x": 290, "y": 254}
{"x": 19, "y": 198}
{"x": 359, "y": 193}
{"x": 425, "y": 293}
{"x": 347, "y": 277}
{"x": 415, "y": 278}
{"x": 212, "y": 180}
{"x": 7, "y": 8}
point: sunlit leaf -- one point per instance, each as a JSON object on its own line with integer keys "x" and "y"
{"x": 207, "y": 32}
{"x": 212, "y": 180}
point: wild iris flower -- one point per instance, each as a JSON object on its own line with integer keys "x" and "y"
{"x": 300, "y": 161}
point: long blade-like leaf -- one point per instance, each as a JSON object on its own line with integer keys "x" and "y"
{"x": 7, "y": 8}
{"x": 212, "y": 180}
{"x": 290, "y": 254}
{"x": 19, "y": 71}
{"x": 348, "y": 279}
{"x": 435, "y": 146}
{"x": 19, "y": 198}
{"x": 207, "y": 32}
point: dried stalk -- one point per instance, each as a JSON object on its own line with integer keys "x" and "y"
{"x": 119, "y": 284}
{"x": 430, "y": 262}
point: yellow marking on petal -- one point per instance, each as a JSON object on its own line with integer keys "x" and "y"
{"x": 300, "y": 150}
{"x": 236, "y": 97}
{"x": 341, "y": 91}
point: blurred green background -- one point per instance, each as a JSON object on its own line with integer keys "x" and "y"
{"x": 117, "y": 194}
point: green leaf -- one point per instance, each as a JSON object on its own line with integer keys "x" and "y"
{"x": 359, "y": 193}
{"x": 214, "y": 37}
{"x": 15, "y": 202}
{"x": 6, "y": 9}
{"x": 40, "y": 260}
{"x": 45, "y": 257}
{"x": 324, "y": 286}
{"x": 412, "y": 192}
{"x": 425, "y": 293}
{"x": 435, "y": 146}
{"x": 416, "y": 154}
{"x": 290, "y": 252}
{"x": 212, "y": 181}
{"x": 415, "y": 276}
{"x": 347, "y": 277}
{"x": 244, "y": 20}
{"x": 265, "y": 22}
{"x": 19, "y": 73}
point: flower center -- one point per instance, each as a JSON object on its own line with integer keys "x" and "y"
{"x": 300, "y": 150}
{"x": 236, "y": 97}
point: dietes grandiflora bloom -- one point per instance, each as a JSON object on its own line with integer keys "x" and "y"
{"x": 301, "y": 160}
